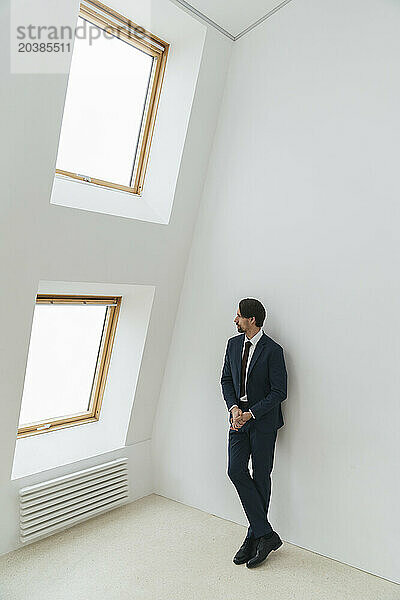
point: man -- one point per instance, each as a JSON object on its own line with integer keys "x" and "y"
{"x": 253, "y": 385}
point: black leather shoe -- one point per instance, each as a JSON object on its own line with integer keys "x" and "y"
{"x": 264, "y": 546}
{"x": 246, "y": 551}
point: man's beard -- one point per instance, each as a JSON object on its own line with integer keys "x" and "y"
{"x": 240, "y": 330}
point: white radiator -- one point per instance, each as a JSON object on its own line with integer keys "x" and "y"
{"x": 60, "y": 503}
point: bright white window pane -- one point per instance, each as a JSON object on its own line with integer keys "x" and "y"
{"x": 62, "y": 359}
{"x": 106, "y": 93}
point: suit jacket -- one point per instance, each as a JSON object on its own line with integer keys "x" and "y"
{"x": 266, "y": 385}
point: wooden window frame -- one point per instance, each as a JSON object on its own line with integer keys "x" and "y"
{"x": 123, "y": 28}
{"x": 113, "y": 304}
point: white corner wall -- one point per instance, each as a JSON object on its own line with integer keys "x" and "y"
{"x": 43, "y": 241}
{"x": 301, "y": 209}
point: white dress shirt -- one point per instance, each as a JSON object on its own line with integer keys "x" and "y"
{"x": 254, "y": 341}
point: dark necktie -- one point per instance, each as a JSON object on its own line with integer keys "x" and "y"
{"x": 244, "y": 365}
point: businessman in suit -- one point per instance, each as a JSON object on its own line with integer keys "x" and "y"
{"x": 253, "y": 384}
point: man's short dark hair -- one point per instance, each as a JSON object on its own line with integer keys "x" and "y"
{"x": 250, "y": 307}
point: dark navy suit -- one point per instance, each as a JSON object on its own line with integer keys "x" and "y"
{"x": 266, "y": 388}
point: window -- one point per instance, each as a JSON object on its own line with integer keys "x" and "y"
{"x": 69, "y": 354}
{"x": 114, "y": 87}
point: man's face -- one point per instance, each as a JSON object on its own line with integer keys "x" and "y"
{"x": 242, "y": 323}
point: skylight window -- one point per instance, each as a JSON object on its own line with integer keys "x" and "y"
{"x": 69, "y": 353}
{"x": 113, "y": 91}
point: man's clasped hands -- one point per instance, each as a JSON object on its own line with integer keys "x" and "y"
{"x": 239, "y": 417}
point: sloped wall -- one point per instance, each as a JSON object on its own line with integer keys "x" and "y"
{"x": 40, "y": 241}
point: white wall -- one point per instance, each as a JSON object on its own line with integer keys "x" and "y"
{"x": 41, "y": 241}
{"x": 301, "y": 209}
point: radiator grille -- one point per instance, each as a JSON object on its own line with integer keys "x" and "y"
{"x": 60, "y": 503}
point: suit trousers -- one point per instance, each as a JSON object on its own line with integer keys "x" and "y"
{"x": 254, "y": 492}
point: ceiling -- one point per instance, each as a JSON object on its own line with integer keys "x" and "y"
{"x": 235, "y": 15}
